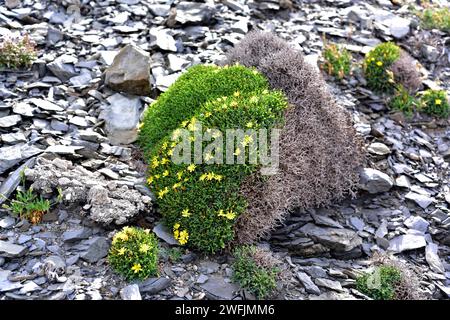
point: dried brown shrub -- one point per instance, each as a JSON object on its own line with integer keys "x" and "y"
{"x": 406, "y": 72}
{"x": 320, "y": 153}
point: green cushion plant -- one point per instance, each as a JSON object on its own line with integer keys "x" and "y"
{"x": 201, "y": 202}
{"x": 134, "y": 253}
{"x": 381, "y": 283}
{"x": 436, "y": 18}
{"x": 376, "y": 67}
{"x": 338, "y": 61}
{"x": 434, "y": 102}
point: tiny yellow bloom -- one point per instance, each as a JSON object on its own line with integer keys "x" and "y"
{"x": 208, "y": 114}
{"x": 210, "y": 176}
{"x": 438, "y": 101}
{"x": 202, "y": 177}
{"x": 165, "y": 173}
{"x": 233, "y": 103}
{"x": 218, "y": 177}
{"x": 136, "y": 267}
{"x": 379, "y": 63}
{"x": 255, "y": 72}
{"x": 184, "y": 123}
{"x": 208, "y": 156}
{"x": 157, "y": 176}
{"x": 180, "y": 175}
{"x": 150, "y": 180}
{"x": 155, "y": 163}
{"x": 230, "y": 215}
{"x": 191, "y": 167}
{"x": 237, "y": 94}
{"x": 176, "y": 185}
{"x": 140, "y": 125}
{"x": 237, "y": 152}
{"x": 176, "y": 226}
{"x": 185, "y": 213}
{"x": 247, "y": 140}
{"x": 121, "y": 251}
{"x": 249, "y": 124}
{"x": 147, "y": 231}
{"x": 164, "y": 160}
{"x": 164, "y": 145}
{"x": 144, "y": 248}
{"x": 170, "y": 152}
{"x": 163, "y": 192}
{"x": 183, "y": 238}
{"x": 176, "y": 234}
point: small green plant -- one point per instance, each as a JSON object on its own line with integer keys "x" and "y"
{"x": 338, "y": 61}
{"x": 381, "y": 283}
{"x": 253, "y": 275}
{"x": 134, "y": 253}
{"x": 28, "y": 205}
{"x": 376, "y": 67}
{"x": 403, "y": 101}
{"x": 173, "y": 254}
{"x": 17, "y": 53}
{"x": 434, "y": 102}
{"x": 436, "y": 18}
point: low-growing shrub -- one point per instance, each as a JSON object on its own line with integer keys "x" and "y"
{"x": 201, "y": 202}
{"x": 17, "y": 53}
{"x": 380, "y": 284}
{"x": 338, "y": 61}
{"x": 183, "y": 99}
{"x": 134, "y": 253}
{"x": 319, "y": 153}
{"x": 403, "y": 101}
{"x": 387, "y": 66}
{"x": 391, "y": 279}
{"x": 436, "y": 18}
{"x": 256, "y": 270}
{"x": 434, "y": 102}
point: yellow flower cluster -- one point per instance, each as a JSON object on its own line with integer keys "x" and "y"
{"x": 181, "y": 236}
{"x": 230, "y": 215}
{"x": 208, "y": 176}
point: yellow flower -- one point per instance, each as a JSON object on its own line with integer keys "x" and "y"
{"x": 128, "y": 230}
{"x": 140, "y": 125}
{"x": 192, "y": 139}
{"x": 147, "y": 231}
{"x": 170, "y": 152}
{"x": 237, "y": 152}
{"x": 136, "y": 267}
{"x": 233, "y": 103}
{"x": 237, "y": 94}
{"x": 162, "y": 193}
{"x": 176, "y": 185}
{"x": 155, "y": 162}
{"x": 121, "y": 251}
{"x": 191, "y": 126}
{"x": 210, "y": 176}
{"x": 164, "y": 145}
{"x": 254, "y": 99}
{"x": 176, "y": 134}
{"x": 176, "y": 234}
{"x": 218, "y": 177}
{"x": 150, "y": 180}
{"x": 202, "y": 177}
{"x": 208, "y": 156}
{"x": 247, "y": 140}
{"x": 255, "y": 72}
{"x": 379, "y": 63}
{"x": 185, "y": 213}
{"x": 191, "y": 167}
{"x": 176, "y": 226}
{"x": 144, "y": 248}
{"x": 230, "y": 215}
{"x": 180, "y": 174}
{"x": 249, "y": 124}
{"x": 164, "y": 160}
{"x": 183, "y": 237}
{"x": 165, "y": 173}
{"x": 208, "y": 114}
{"x": 438, "y": 101}
{"x": 121, "y": 236}
{"x": 157, "y": 176}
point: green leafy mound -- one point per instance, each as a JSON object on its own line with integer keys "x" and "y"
{"x": 381, "y": 283}
{"x": 256, "y": 270}
{"x": 434, "y": 102}
{"x": 134, "y": 253}
{"x": 403, "y": 101}
{"x": 376, "y": 66}
{"x": 182, "y": 100}
{"x": 338, "y": 61}
{"x": 200, "y": 202}
{"x": 436, "y": 18}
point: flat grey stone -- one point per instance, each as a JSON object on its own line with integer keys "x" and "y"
{"x": 11, "y": 250}
{"x": 307, "y": 283}
{"x": 154, "y": 285}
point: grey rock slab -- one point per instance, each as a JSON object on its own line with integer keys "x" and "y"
{"x": 5, "y": 284}
{"x": 402, "y": 182}
{"x": 375, "y": 181}
{"x": 202, "y": 279}
{"x": 63, "y": 68}
{"x": 163, "y": 39}
{"x": 79, "y": 121}
{"x": 131, "y": 292}
{"x": 357, "y": 223}
{"x": 164, "y": 234}
{"x": 10, "y": 184}
{"x": 13, "y": 138}
{"x": 7, "y": 222}
{"x": 417, "y": 223}
{"x": 62, "y": 149}
{"x": 432, "y": 257}
{"x": 77, "y": 234}
{"x": 122, "y": 118}
{"x": 82, "y": 80}
{"x": 160, "y": 10}
{"x": 97, "y": 250}
{"x": 217, "y": 288}
{"x": 10, "y": 156}
{"x": 378, "y": 149}
{"x": 307, "y": 283}
{"x": 341, "y": 240}
{"x": 132, "y": 78}
{"x": 154, "y": 285}
{"x": 10, "y": 121}
{"x": 23, "y": 109}
{"x": 421, "y": 199}
{"x": 194, "y": 13}
{"x": 11, "y": 250}
{"x": 407, "y": 242}
{"x": 330, "y": 284}
{"x": 176, "y": 63}
{"x": 45, "y": 104}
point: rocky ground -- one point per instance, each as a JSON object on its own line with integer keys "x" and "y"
{"x": 62, "y": 121}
